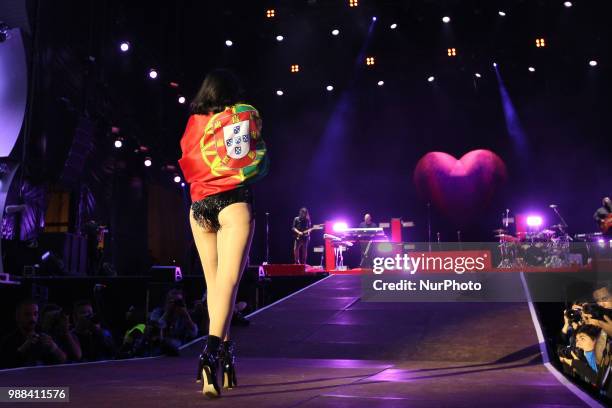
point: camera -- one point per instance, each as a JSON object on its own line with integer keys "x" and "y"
{"x": 597, "y": 312}
{"x": 93, "y": 318}
{"x": 573, "y": 315}
{"x": 566, "y": 352}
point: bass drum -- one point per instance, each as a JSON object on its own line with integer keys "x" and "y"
{"x": 533, "y": 255}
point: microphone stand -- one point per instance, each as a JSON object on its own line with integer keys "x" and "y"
{"x": 554, "y": 208}
{"x": 429, "y": 226}
{"x": 267, "y": 238}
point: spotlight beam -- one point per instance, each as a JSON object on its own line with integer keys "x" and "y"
{"x": 513, "y": 124}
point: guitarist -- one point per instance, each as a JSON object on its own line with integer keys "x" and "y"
{"x": 602, "y": 216}
{"x": 301, "y": 233}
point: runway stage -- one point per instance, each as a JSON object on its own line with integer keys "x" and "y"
{"x": 323, "y": 347}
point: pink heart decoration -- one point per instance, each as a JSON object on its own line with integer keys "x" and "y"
{"x": 459, "y": 188}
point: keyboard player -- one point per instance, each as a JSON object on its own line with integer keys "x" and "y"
{"x": 365, "y": 246}
{"x": 367, "y": 222}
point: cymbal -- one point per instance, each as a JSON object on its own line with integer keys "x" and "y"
{"x": 506, "y": 237}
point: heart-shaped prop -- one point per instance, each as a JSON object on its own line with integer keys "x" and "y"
{"x": 459, "y": 188}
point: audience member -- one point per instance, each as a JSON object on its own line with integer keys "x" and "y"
{"x": 175, "y": 322}
{"x": 25, "y": 346}
{"x": 57, "y": 324}
{"x": 96, "y": 342}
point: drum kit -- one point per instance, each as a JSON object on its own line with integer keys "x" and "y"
{"x": 539, "y": 247}
{"x": 549, "y": 247}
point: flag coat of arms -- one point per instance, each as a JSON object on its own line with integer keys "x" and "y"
{"x": 223, "y": 151}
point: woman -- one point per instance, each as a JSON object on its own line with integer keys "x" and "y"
{"x": 223, "y": 153}
{"x": 301, "y": 233}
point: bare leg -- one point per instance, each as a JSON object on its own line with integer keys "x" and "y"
{"x": 304, "y": 251}
{"x": 233, "y": 244}
{"x": 206, "y": 243}
{"x": 296, "y": 251}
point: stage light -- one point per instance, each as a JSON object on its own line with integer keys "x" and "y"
{"x": 431, "y": 79}
{"x": 540, "y": 43}
{"x": 531, "y": 69}
{"x": 446, "y": 19}
{"x": 335, "y": 31}
{"x": 534, "y": 220}
{"x": 229, "y": 43}
{"x": 568, "y": 4}
{"x": 393, "y": 26}
{"x": 295, "y": 68}
{"x": 495, "y": 65}
{"x": 353, "y": 3}
{"x": 177, "y": 178}
{"x": 374, "y": 18}
{"x": 477, "y": 75}
{"x": 148, "y": 162}
{"x": 118, "y": 143}
{"x": 183, "y": 184}
{"x": 181, "y": 100}
{"x": 279, "y": 92}
{"x": 501, "y": 13}
{"x": 381, "y": 83}
{"x": 340, "y": 226}
{"x": 152, "y": 74}
{"x": 124, "y": 46}
{"x": 279, "y": 38}
{"x": 270, "y": 13}
{"x": 329, "y": 88}
{"x": 370, "y": 61}
{"x": 452, "y": 52}
{"x": 593, "y": 63}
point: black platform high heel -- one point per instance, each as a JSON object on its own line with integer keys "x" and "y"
{"x": 228, "y": 367}
{"x": 208, "y": 366}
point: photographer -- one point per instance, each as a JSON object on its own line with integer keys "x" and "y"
{"x": 26, "y": 347}
{"x": 602, "y": 295}
{"x": 57, "y": 324}
{"x": 175, "y": 322}
{"x": 588, "y": 366}
{"x": 572, "y": 320}
{"x": 96, "y": 342}
{"x": 133, "y": 338}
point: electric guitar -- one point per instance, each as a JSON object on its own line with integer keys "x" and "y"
{"x": 306, "y": 233}
{"x": 606, "y": 224}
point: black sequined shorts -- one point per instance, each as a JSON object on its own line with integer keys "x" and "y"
{"x": 206, "y": 211}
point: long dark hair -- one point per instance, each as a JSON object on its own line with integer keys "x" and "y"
{"x": 220, "y": 88}
{"x": 305, "y": 212}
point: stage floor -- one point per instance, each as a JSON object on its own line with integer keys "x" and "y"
{"x": 323, "y": 347}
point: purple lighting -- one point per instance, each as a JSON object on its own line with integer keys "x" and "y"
{"x": 534, "y": 220}
{"x": 513, "y": 123}
{"x": 340, "y": 226}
